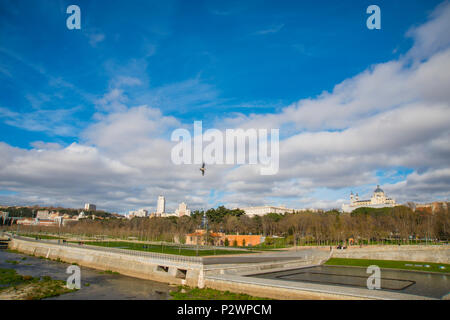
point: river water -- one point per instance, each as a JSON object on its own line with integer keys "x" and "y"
{"x": 119, "y": 287}
{"x": 101, "y": 286}
{"x": 432, "y": 285}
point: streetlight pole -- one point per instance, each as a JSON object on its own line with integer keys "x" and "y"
{"x": 196, "y": 242}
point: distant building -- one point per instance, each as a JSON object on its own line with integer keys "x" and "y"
{"x": 199, "y": 238}
{"x": 220, "y": 239}
{"x": 141, "y": 213}
{"x": 42, "y": 222}
{"x": 90, "y": 207}
{"x": 168, "y": 214}
{"x": 262, "y": 210}
{"x": 3, "y": 217}
{"x": 161, "y": 205}
{"x": 433, "y": 207}
{"x": 27, "y": 221}
{"x": 244, "y": 240}
{"x": 54, "y": 215}
{"x": 378, "y": 200}
{"x": 42, "y": 214}
{"x": 182, "y": 210}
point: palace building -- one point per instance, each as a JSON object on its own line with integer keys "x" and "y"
{"x": 378, "y": 200}
{"x": 263, "y": 210}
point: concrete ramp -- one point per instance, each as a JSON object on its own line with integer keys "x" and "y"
{"x": 265, "y": 262}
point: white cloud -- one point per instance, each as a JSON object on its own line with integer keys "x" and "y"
{"x": 271, "y": 29}
{"x": 129, "y": 129}
{"x": 52, "y": 121}
{"x": 95, "y": 38}
{"x": 121, "y": 81}
{"x": 113, "y": 101}
{"x": 432, "y": 36}
{"x": 393, "y": 115}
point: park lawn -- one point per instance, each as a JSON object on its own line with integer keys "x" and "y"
{"x": 390, "y": 264}
{"x": 41, "y": 236}
{"x": 162, "y": 249}
{"x": 186, "y": 293}
{"x": 9, "y": 277}
{"x": 14, "y": 286}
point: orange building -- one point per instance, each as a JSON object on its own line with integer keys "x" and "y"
{"x": 219, "y": 239}
{"x": 199, "y": 237}
{"x": 244, "y": 240}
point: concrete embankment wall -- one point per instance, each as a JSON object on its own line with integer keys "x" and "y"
{"x": 438, "y": 254}
{"x": 173, "y": 272}
{"x": 233, "y": 278}
{"x": 249, "y": 287}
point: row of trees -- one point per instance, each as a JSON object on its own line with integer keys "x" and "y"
{"x": 366, "y": 224}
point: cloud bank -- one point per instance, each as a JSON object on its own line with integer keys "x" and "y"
{"x": 392, "y": 116}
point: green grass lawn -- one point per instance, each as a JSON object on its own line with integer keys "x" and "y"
{"x": 9, "y": 277}
{"x": 186, "y": 293}
{"x": 405, "y": 265}
{"x": 40, "y": 236}
{"x": 109, "y": 272}
{"x": 162, "y": 249}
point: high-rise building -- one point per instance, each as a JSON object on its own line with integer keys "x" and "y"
{"x": 161, "y": 205}
{"x": 182, "y": 210}
{"x": 90, "y": 207}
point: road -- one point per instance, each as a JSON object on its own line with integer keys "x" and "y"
{"x": 260, "y": 257}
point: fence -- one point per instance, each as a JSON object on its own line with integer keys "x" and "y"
{"x": 155, "y": 243}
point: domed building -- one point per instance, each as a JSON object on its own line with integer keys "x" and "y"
{"x": 378, "y": 200}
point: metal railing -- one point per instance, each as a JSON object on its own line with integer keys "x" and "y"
{"x": 154, "y": 243}
{"x": 195, "y": 247}
{"x": 136, "y": 253}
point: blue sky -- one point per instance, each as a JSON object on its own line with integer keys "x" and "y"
{"x": 191, "y": 60}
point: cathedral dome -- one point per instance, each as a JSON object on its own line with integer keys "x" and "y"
{"x": 378, "y": 189}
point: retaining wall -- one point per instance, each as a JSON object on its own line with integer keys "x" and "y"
{"x": 163, "y": 270}
{"x": 438, "y": 253}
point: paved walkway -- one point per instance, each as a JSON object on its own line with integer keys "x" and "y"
{"x": 271, "y": 256}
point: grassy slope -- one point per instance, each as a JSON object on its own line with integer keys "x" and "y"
{"x": 405, "y": 265}
{"x": 185, "y": 293}
{"x": 15, "y": 286}
{"x": 165, "y": 249}
{"x": 40, "y": 236}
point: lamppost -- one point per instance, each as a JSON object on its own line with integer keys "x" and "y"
{"x": 205, "y": 226}
{"x": 18, "y": 225}
{"x": 196, "y": 242}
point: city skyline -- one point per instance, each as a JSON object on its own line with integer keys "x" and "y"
{"x": 86, "y": 115}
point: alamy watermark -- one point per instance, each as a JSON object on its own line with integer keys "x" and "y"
{"x": 74, "y": 20}
{"x": 374, "y": 20}
{"x": 235, "y": 146}
{"x": 74, "y": 280}
{"x": 374, "y": 280}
